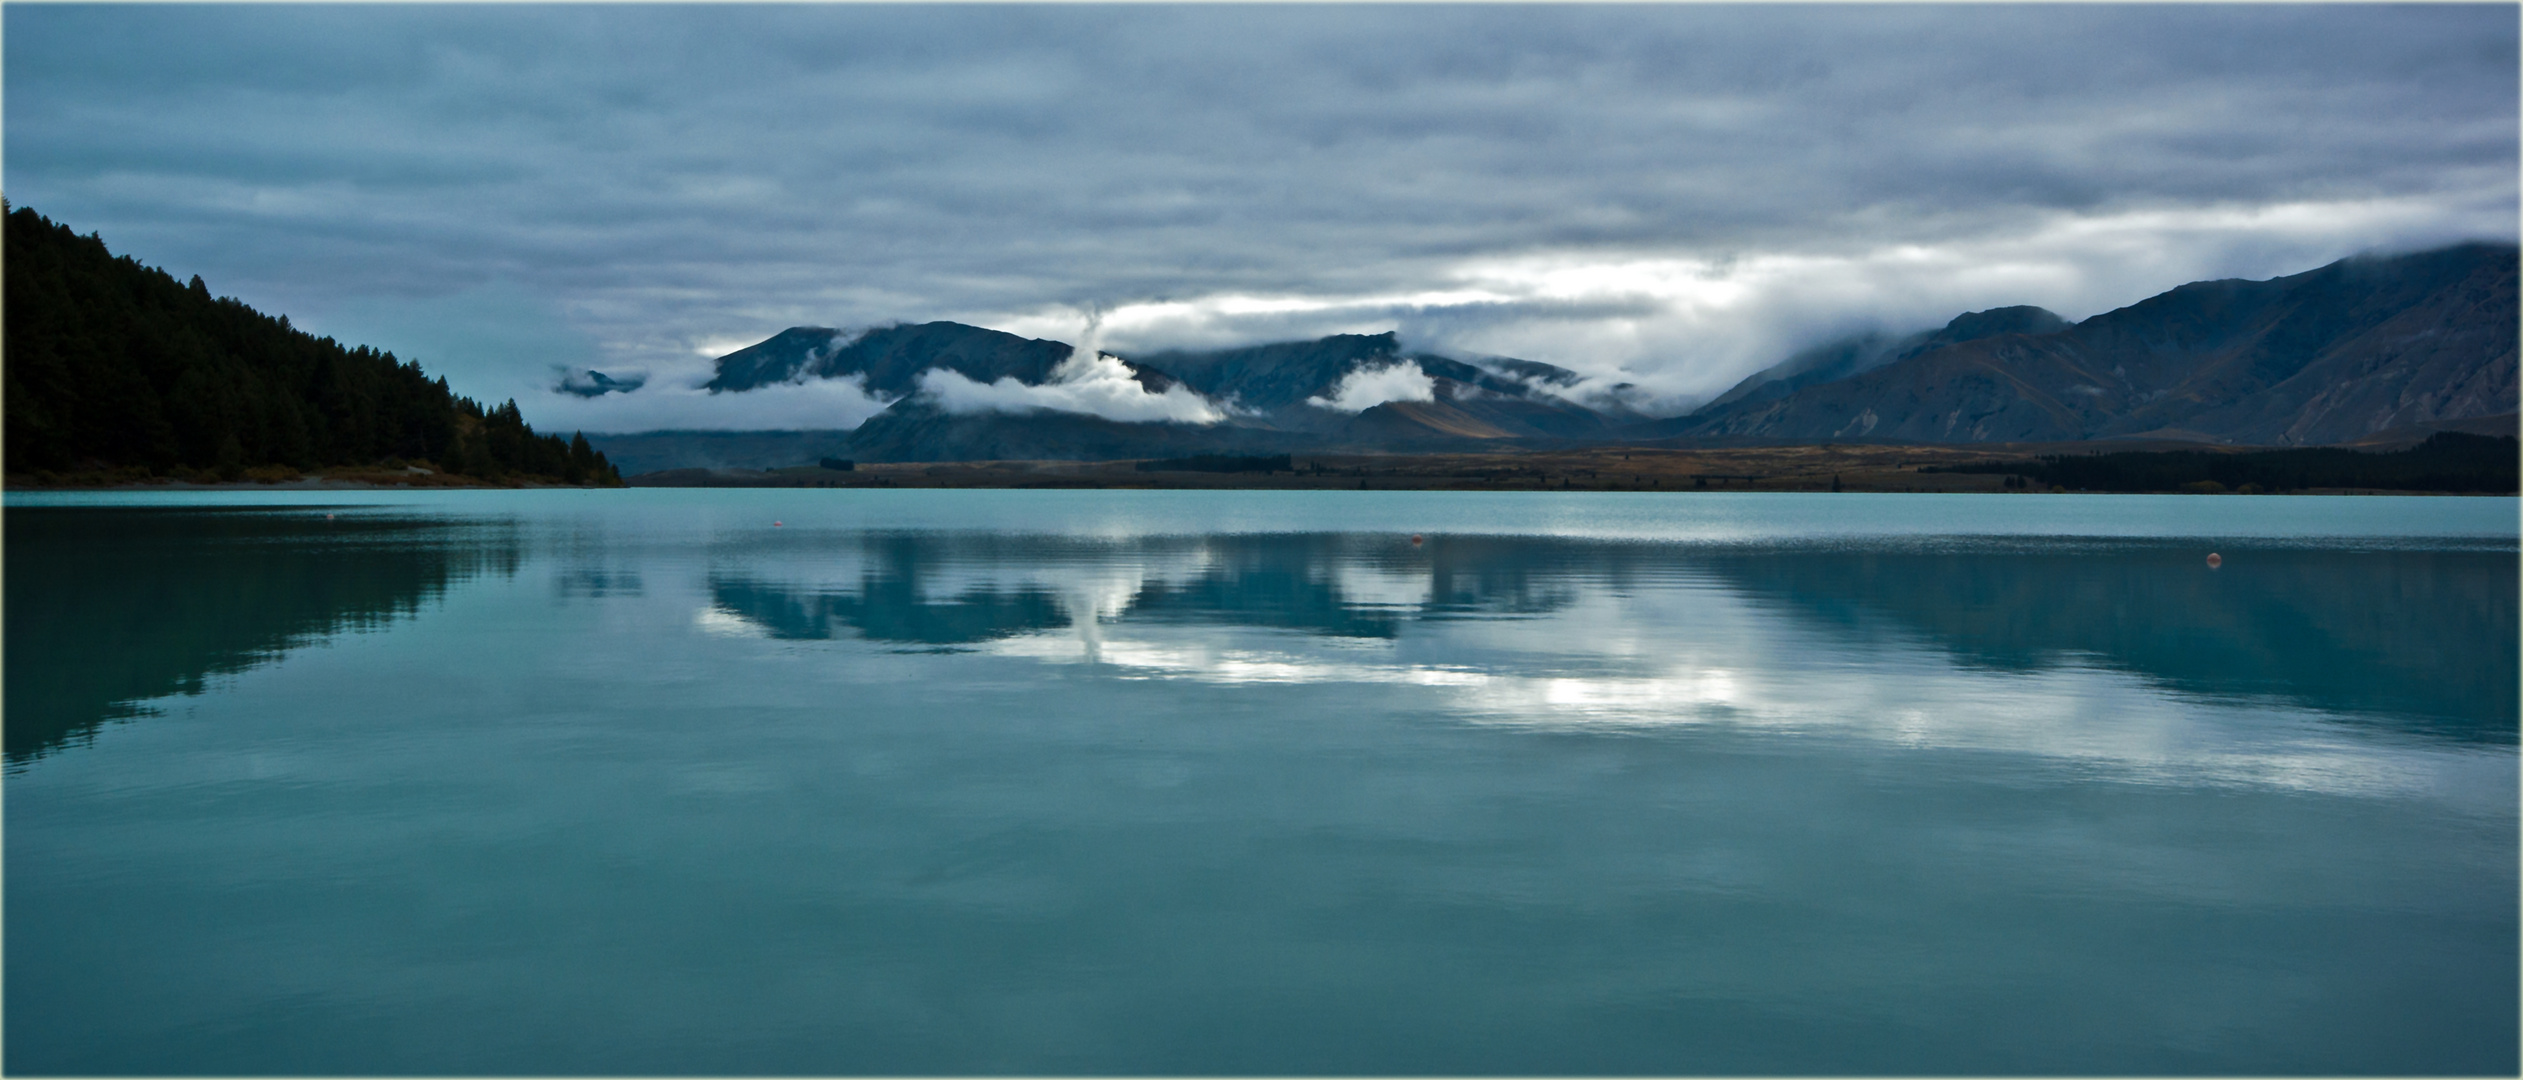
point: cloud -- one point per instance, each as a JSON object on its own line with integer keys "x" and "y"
{"x": 812, "y": 405}
{"x": 1700, "y": 324}
{"x": 1667, "y": 195}
{"x": 1101, "y": 386}
{"x": 590, "y": 383}
{"x": 1365, "y": 388}
{"x": 1680, "y": 329}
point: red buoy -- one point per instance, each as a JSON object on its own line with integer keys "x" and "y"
{"x": 1418, "y": 539}
{"x": 2215, "y": 560}
{"x": 775, "y": 524}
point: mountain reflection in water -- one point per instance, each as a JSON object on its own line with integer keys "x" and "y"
{"x": 2423, "y": 641}
{"x": 2425, "y": 637}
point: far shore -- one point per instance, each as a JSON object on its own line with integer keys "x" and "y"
{"x": 1843, "y": 467}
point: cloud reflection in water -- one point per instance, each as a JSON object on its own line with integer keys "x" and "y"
{"x": 2323, "y": 669}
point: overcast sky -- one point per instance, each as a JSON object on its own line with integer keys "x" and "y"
{"x": 1667, "y": 195}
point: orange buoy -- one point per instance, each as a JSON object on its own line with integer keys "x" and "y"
{"x": 2215, "y": 560}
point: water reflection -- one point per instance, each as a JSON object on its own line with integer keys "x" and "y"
{"x": 691, "y": 794}
{"x": 597, "y": 581}
{"x": 109, "y": 607}
{"x": 888, "y": 609}
{"x": 2420, "y": 641}
{"x": 2427, "y": 638}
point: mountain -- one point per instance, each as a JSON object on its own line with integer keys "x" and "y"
{"x": 1274, "y": 398}
{"x": 2363, "y": 349}
{"x": 116, "y": 367}
{"x": 1857, "y": 355}
{"x": 890, "y": 358}
{"x": 2331, "y": 355}
{"x": 1285, "y": 382}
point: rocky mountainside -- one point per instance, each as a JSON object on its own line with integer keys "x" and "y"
{"x": 2327, "y": 356}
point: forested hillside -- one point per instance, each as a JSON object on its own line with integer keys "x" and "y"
{"x": 112, "y": 365}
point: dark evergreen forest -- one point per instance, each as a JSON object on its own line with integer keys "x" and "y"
{"x": 115, "y": 366}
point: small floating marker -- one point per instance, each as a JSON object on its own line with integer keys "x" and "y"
{"x": 2215, "y": 560}
{"x": 775, "y": 524}
{"x": 1418, "y": 539}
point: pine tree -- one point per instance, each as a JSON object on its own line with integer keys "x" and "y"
{"x": 114, "y": 364}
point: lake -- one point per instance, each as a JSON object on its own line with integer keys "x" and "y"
{"x": 937, "y": 781}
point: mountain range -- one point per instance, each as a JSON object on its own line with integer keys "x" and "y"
{"x": 2337, "y": 354}
{"x": 2326, "y": 356}
{"x": 1346, "y": 390}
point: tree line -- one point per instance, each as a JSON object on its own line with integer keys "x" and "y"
{"x": 111, "y": 365}
{"x": 2449, "y": 461}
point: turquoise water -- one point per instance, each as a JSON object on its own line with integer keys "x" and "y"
{"x": 1249, "y": 782}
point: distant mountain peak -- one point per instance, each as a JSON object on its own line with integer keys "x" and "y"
{"x": 780, "y": 358}
{"x": 2020, "y": 319}
{"x": 890, "y": 358}
{"x": 2329, "y": 355}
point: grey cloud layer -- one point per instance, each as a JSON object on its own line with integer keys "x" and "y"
{"x": 667, "y": 176}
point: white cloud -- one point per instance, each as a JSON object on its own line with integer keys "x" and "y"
{"x": 1101, "y": 386}
{"x": 664, "y": 405}
{"x": 1366, "y": 388}
{"x": 1683, "y": 326}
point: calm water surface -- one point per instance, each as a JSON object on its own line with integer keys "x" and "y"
{"x": 1201, "y": 782}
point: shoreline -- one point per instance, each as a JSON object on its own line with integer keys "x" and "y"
{"x": 344, "y": 480}
{"x": 13, "y": 484}
{"x": 1827, "y": 467}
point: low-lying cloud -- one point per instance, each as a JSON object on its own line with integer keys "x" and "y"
{"x": 1367, "y": 387}
{"x": 1663, "y": 333}
{"x": 1099, "y": 385}
{"x": 811, "y": 405}
{"x": 589, "y": 383}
